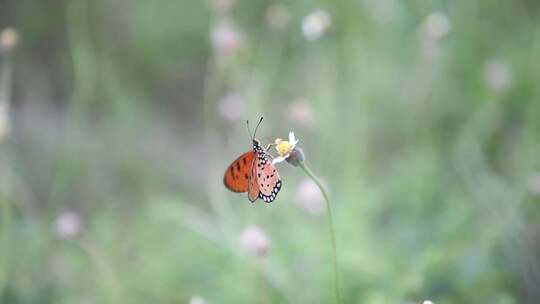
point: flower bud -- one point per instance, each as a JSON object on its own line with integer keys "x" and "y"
{"x": 296, "y": 157}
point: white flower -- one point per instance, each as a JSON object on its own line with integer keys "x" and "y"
{"x": 497, "y": 75}
{"x": 300, "y": 112}
{"x": 535, "y": 184}
{"x": 427, "y": 302}
{"x": 309, "y": 197}
{"x": 8, "y": 39}
{"x": 284, "y": 148}
{"x": 255, "y": 241}
{"x": 232, "y": 107}
{"x": 197, "y": 300}
{"x": 435, "y": 27}
{"x": 226, "y": 38}
{"x": 316, "y": 24}
{"x": 68, "y": 225}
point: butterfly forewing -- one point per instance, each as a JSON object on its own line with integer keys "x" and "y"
{"x": 253, "y": 189}
{"x": 238, "y": 173}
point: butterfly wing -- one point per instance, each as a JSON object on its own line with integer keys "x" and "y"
{"x": 253, "y": 173}
{"x": 237, "y": 176}
{"x": 269, "y": 182}
{"x": 265, "y": 175}
{"x": 253, "y": 190}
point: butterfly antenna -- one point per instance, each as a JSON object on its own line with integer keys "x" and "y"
{"x": 257, "y": 127}
{"x": 249, "y": 132}
{"x": 255, "y": 132}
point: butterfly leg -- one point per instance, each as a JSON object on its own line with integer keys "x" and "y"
{"x": 268, "y": 150}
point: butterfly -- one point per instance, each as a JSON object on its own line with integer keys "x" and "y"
{"x": 254, "y": 173}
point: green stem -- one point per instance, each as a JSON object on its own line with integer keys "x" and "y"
{"x": 6, "y": 192}
{"x": 5, "y": 241}
{"x": 331, "y": 226}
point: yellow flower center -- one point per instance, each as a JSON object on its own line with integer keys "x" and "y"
{"x": 283, "y": 147}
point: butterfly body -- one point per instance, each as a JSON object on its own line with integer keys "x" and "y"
{"x": 254, "y": 173}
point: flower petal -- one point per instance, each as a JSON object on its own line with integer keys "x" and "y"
{"x": 292, "y": 139}
{"x": 279, "y": 159}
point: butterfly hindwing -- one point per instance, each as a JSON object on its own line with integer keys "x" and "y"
{"x": 237, "y": 176}
{"x": 268, "y": 180}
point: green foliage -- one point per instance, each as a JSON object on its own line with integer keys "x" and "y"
{"x": 421, "y": 117}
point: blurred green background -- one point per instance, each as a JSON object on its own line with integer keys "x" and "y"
{"x": 118, "y": 119}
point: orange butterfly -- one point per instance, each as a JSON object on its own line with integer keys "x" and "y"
{"x": 254, "y": 173}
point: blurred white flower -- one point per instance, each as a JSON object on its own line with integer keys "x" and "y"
{"x": 309, "y": 197}
{"x": 197, "y": 300}
{"x": 4, "y": 121}
{"x": 232, "y": 107}
{"x": 68, "y": 225}
{"x": 255, "y": 241}
{"x": 8, "y": 39}
{"x": 316, "y": 24}
{"x": 226, "y": 38}
{"x": 278, "y": 16}
{"x": 284, "y": 148}
{"x": 497, "y": 75}
{"x": 435, "y": 27}
{"x": 535, "y": 183}
{"x": 300, "y": 111}
{"x": 222, "y": 5}
{"x": 427, "y": 302}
